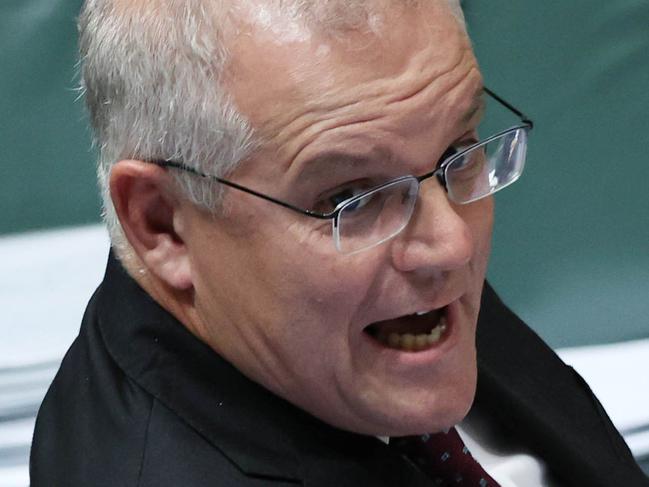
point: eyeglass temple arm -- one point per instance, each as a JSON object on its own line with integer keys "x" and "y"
{"x": 183, "y": 167}
{"x": 524, "y": 118}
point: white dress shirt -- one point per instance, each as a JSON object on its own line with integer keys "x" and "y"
{"x": 510, "y": 464}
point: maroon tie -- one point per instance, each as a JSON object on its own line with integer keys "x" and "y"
{"x": 445, "y": 458}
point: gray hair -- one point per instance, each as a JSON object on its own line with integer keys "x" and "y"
{"x": 151, "y": 73}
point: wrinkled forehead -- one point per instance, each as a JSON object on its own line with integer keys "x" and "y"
{"x": 283, "y": 66}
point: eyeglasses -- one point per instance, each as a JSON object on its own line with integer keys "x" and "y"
{"x": 372, "y": 216}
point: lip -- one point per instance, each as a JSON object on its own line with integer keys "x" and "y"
{"x": 398, "y": 358}
{"x": 439, "y": 303}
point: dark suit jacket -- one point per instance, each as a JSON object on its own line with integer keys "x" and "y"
{"x": 138, "y": 401}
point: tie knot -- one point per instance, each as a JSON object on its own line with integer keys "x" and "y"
{"x": 445, "y": 458}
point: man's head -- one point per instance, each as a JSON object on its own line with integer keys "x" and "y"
{"x": 302, "y": 102}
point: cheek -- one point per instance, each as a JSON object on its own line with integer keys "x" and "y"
{"x": 485, "y": 227}
{"x": 479, "y": 216}
{"x": 308, "y": 254}
{"x": 299, "y": 275}
{"x": 312, "y": 237}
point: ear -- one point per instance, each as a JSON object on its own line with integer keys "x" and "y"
{"x": 151, "y": 218}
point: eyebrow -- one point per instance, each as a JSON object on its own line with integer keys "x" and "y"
{"x": 478, "y": 107}
{"x": 331, "y": 161}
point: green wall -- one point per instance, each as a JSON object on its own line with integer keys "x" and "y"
{"x": 46, "y": 166}
{"x": 571, "y": 245}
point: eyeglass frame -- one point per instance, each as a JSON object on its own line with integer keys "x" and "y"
{"x": 439, "y": 171}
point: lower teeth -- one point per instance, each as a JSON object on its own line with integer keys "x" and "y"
{"x": 408, "y": 341}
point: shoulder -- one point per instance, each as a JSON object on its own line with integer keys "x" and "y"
{"x": 543, "y": 403}
{"x": 100, "y": 426}
{"x": 91, "y": 426}
{"x": 176, "y": 454}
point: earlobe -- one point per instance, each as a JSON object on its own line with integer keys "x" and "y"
{"x": 150, "y": 216}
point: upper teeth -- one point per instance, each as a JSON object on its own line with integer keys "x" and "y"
{"x": 419, "y": 313}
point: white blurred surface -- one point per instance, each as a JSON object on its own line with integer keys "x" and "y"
{"x": 618, "y": 374}
{"x": 46, "y": 279}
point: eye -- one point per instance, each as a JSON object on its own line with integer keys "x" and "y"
{"x": 470, "y": 164}
{"x": 459, "y": 146}
{"x": 451, "y": 151}
{"x": 329, "y": 201}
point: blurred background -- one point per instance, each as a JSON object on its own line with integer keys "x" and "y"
{"x": 571, "y": 244}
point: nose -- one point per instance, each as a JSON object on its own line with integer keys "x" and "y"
{"x": 437, "y": 238}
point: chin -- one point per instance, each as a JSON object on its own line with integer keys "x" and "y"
{"x": 439, "y": 413}
{"x": 443, "y": 402}
{"x": 415, "y": 411}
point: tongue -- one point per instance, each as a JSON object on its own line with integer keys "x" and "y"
{"x": 407, "y": 324}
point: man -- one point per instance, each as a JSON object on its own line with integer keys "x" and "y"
{"x": 300, "y": 209}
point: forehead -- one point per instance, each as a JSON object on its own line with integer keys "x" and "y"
{"x": 294, "y": 82}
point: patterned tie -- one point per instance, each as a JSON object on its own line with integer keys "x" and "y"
{"x": 445, "y": 458}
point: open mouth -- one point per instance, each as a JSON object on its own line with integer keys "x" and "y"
{"x": 412, "y": 333}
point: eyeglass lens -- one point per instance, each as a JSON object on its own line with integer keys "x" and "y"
{"x": 487, "y": 168}
{"x": 377, "y": 216}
